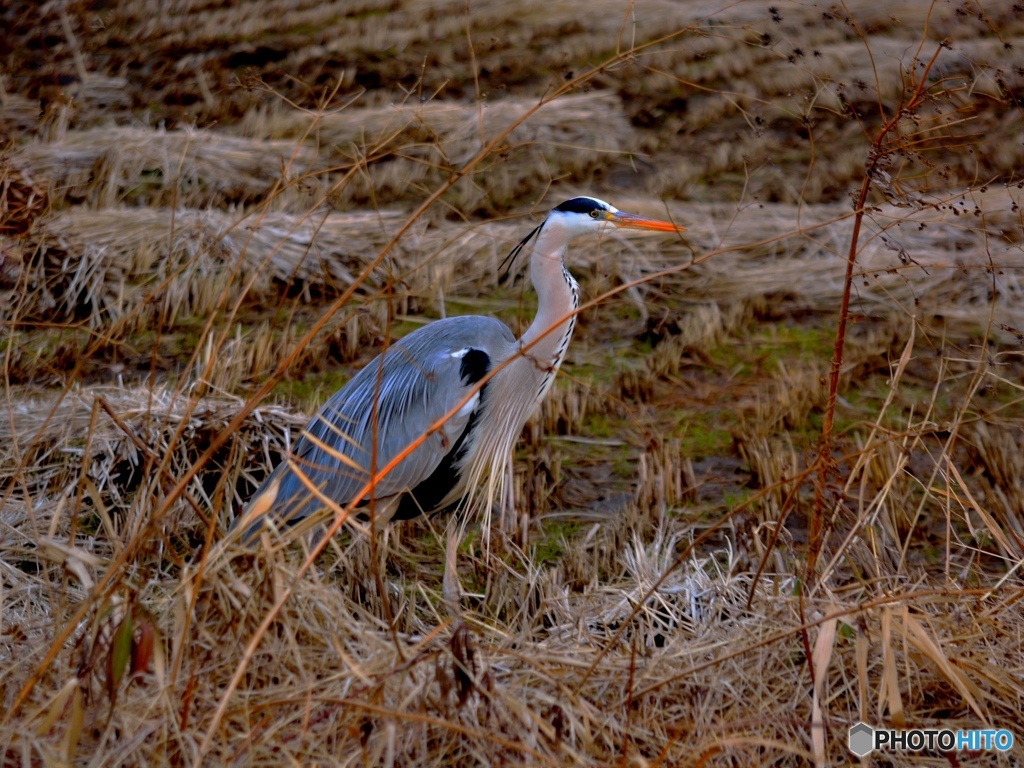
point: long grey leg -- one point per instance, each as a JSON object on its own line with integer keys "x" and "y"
{"x": 450, "y": 589}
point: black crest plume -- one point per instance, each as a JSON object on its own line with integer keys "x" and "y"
{"x": 510, "y": 260}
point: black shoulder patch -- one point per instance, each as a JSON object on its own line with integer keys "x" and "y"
{"x": 580, "y": 205}
{"x": 475, "y": 365}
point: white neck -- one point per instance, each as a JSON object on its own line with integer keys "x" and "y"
{"x": 522, "y": 381}
{"x": 557, "y": 298}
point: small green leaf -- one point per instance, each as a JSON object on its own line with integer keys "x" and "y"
{"x": 120, "y": 651}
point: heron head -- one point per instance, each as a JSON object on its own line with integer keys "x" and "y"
{"x": 584, "y": 216}
{"x": 588, "y": 215}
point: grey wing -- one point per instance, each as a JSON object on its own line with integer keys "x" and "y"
{"x": 395, "y": 399}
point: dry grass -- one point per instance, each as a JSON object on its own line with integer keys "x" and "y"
{"x": 713, "y": 554}
{"x": 103, "y": 166}
{"x": 365, "y": 154}
{"x": 409, "y": 148}
{"x": 941, "y": 260}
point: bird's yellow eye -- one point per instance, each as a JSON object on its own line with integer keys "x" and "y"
{"x": 594, "y": 214}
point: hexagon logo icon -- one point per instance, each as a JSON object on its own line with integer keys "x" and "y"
{"x": 862, "y": 738}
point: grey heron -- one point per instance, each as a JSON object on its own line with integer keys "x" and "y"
{"x": 471, "y": 369}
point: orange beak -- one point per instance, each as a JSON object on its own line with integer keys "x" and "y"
{"x": 632, "y": 221}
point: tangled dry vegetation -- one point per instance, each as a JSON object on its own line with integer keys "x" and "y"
{"x": 776, "y": 491}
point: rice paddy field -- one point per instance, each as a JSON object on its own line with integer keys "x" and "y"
{"x": 777, "y": 489}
